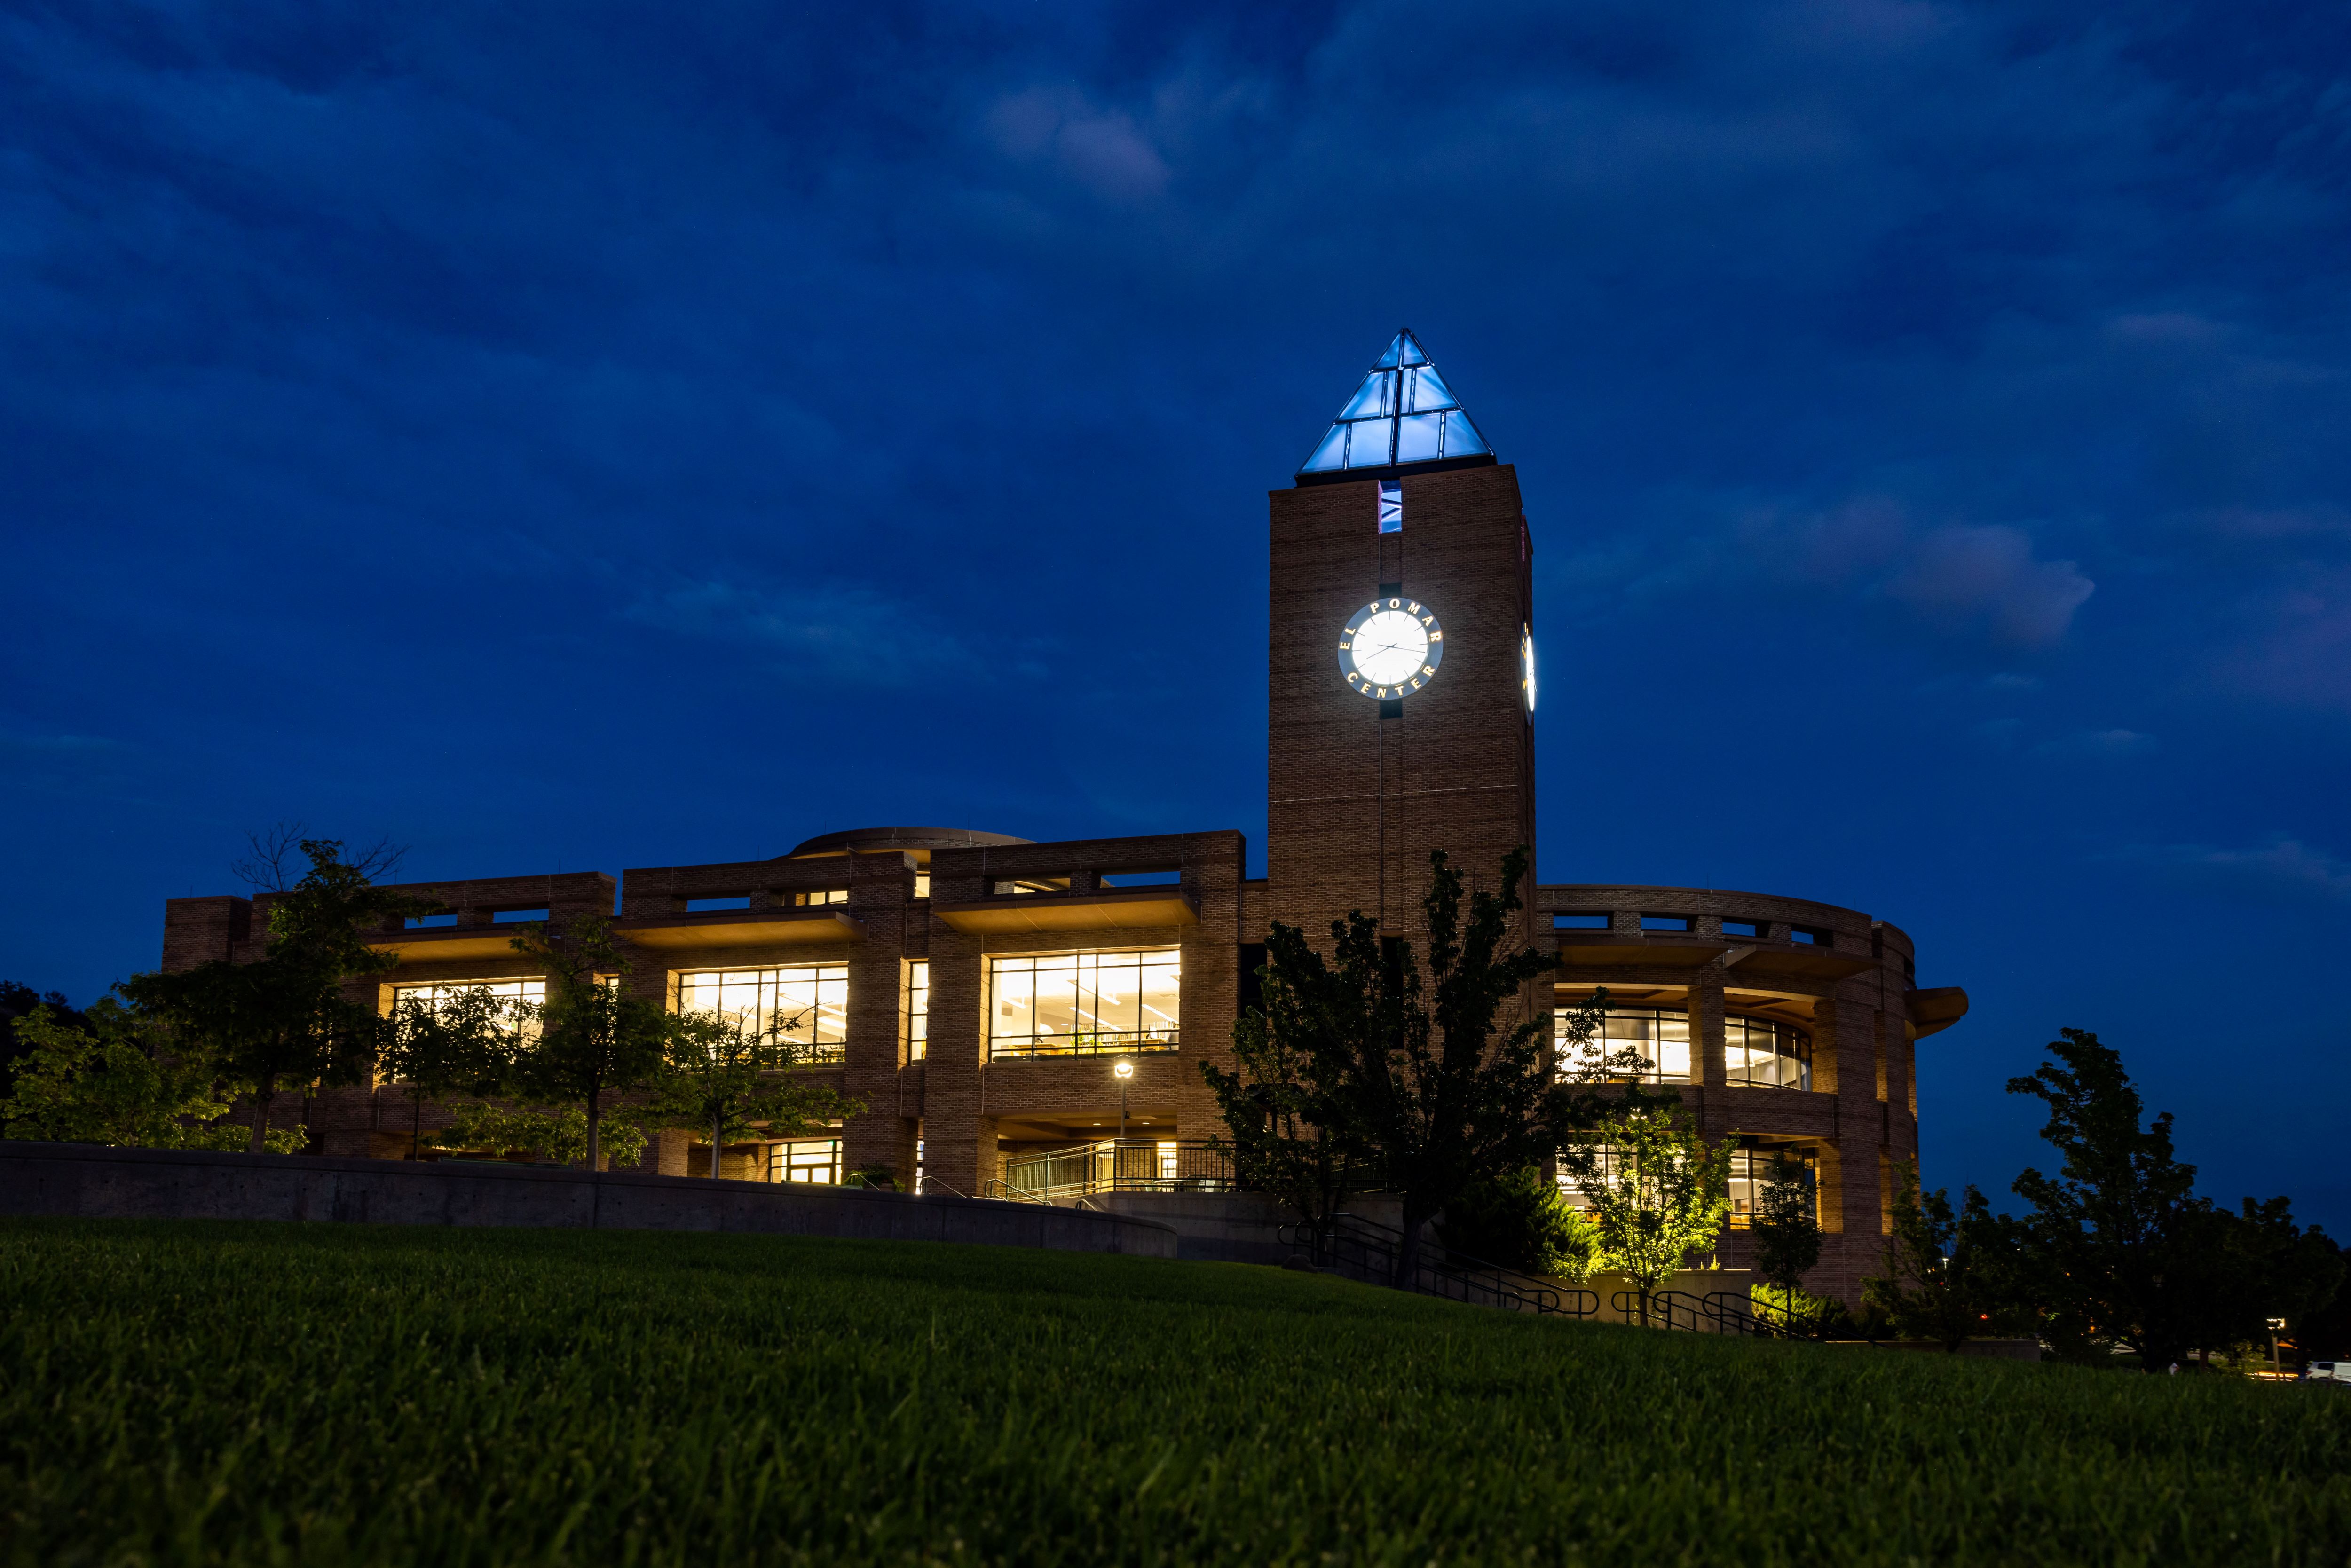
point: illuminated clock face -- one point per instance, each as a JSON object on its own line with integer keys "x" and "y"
{"x": 1391, "y": 648}
{"x": 1526, "y": 665}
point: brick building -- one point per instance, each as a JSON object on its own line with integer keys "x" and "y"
{"x": 980, "y": 993}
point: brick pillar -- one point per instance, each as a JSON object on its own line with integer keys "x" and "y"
{"x": 879, "y": 889}
{"x": 958, "y": 1136}
{"x": 1706, "y": 1027}
{"x": 1845, "y": 1032}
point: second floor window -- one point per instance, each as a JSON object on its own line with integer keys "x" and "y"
{"x": 806, "y": 1004}
{"x": 1071, "y": 1004}
{"x": 918, "y": 1008}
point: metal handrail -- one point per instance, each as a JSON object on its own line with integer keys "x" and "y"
{"x": 1119, "y": 1164}
{"x": 1719, "y": 1312}
{"x": 996, "y": 1189}
{"x": 1365, "y": 1249}
{"x": 1769, "y": 1320}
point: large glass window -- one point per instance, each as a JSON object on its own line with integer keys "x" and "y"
{"x": 806, "y": 1159}
{"x": 1766, "y": 1055}
{"x": 918, "y": 1008}
{"x": 533, "y": 991}
{"x": 1751, "y": 1172}
{"x": 1074, "y": 1004}
{"x": 1756, "y": 1052}
{"x": 1658, "y": 1036}
{"x": 807, "y": 1004}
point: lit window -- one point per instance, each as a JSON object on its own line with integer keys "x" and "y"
{"x": 806, "y": 1004}
{"x": 1756, "y": 1052}
{"x": 1391, "y": 507}
{"x": 918, "y": 1008}
{"x": 1765, "y": 1054}
{"x": 1074, "y": 1004}
{"x": 1021, "y": 886}
{"x": 1750, "y": 1173}
{"x": 922, "y": 885}
{"x": 806, "y": 1159}
{"x": 520, "y": 991}
{"x": 1658, "y": 1037}
{"x": 822, "y": 896}
{"x": 518, "y": 1000}
{"x": 1402, "y": 412}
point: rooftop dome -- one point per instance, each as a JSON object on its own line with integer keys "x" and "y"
{"x": 921, "y": 841}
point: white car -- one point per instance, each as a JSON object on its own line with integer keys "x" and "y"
{"x": 2327, "y": 1372}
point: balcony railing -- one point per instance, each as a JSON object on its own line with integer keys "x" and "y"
{"x": 1117, "y": 1165}
{"x": 1086, "y": 1043}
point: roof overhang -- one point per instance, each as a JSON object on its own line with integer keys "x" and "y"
{"x": 763, "y": 928}
{"x": 1604, "y": 951}
{"x": 1936, "y": 1009}
{"x": 1795, "y": 963}
{"x": 432, "y": 947}
{"x": 1107, "y": 909}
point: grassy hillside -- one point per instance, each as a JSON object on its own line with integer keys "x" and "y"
{"x": 185, "y": 1393}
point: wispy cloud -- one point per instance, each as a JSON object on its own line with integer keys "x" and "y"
{"x": 842, "y": 633}
{"x": 2097, "y": 743}
{"x": 1961, "y": 577}
{"x": 2279, "y": 865}
{"x": 2295, "y": 643}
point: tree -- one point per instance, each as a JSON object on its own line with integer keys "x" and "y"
{"x": 2116, "y": 1231}
{"x": 1364, "y": 1068}
{"x": 1658, "y": 1191}
{"x": 1290, "y": 1110}
{"x": 282, "y": 1021}
{"x": 112, "y": 1076}
{"x": 1520, "y": 1220}
{"x": 561, "y": 1136}
{"x": 595, "y": 1039}
{"x": 728, "y": 1073}
{"x": 271, "y": 863}
{"x": 1787, "y": 1230}
{"x": 17, "y": 1000}
{"x": 2240, "y": 1270}
{"x": 1945, "y": 1277}
{"x": 462, "y": 1043}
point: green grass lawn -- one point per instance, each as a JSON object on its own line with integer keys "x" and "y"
{"x": 189, "y": 1392}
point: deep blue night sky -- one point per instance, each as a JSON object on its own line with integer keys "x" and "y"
{"x": 597, "y": 437}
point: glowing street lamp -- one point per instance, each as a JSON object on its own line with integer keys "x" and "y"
{"x": 1122, "y": 1071}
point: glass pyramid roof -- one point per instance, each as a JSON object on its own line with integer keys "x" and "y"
{"x": 1402, "y": 415}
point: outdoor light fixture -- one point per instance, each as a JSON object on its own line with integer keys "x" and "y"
{"x": 1122, "y": 1071}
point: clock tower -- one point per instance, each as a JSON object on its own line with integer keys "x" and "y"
{"x": 1401, "y": 661}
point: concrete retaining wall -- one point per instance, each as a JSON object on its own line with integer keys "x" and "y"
{"x": 94, "y": 1182}
{"x": 1234, "y": 1226}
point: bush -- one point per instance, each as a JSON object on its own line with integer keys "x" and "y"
{"x": 1521, "y": 1221}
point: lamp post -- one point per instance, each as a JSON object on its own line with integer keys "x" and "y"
{"x": 1122, "y": 1069}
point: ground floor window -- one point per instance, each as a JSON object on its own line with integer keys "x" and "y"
{"x": 806, "y": 1159}
{"x": 1074, "y": 1004}
{"x": 805, "y": 1004}
{"x": 1751, "y": 1172}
